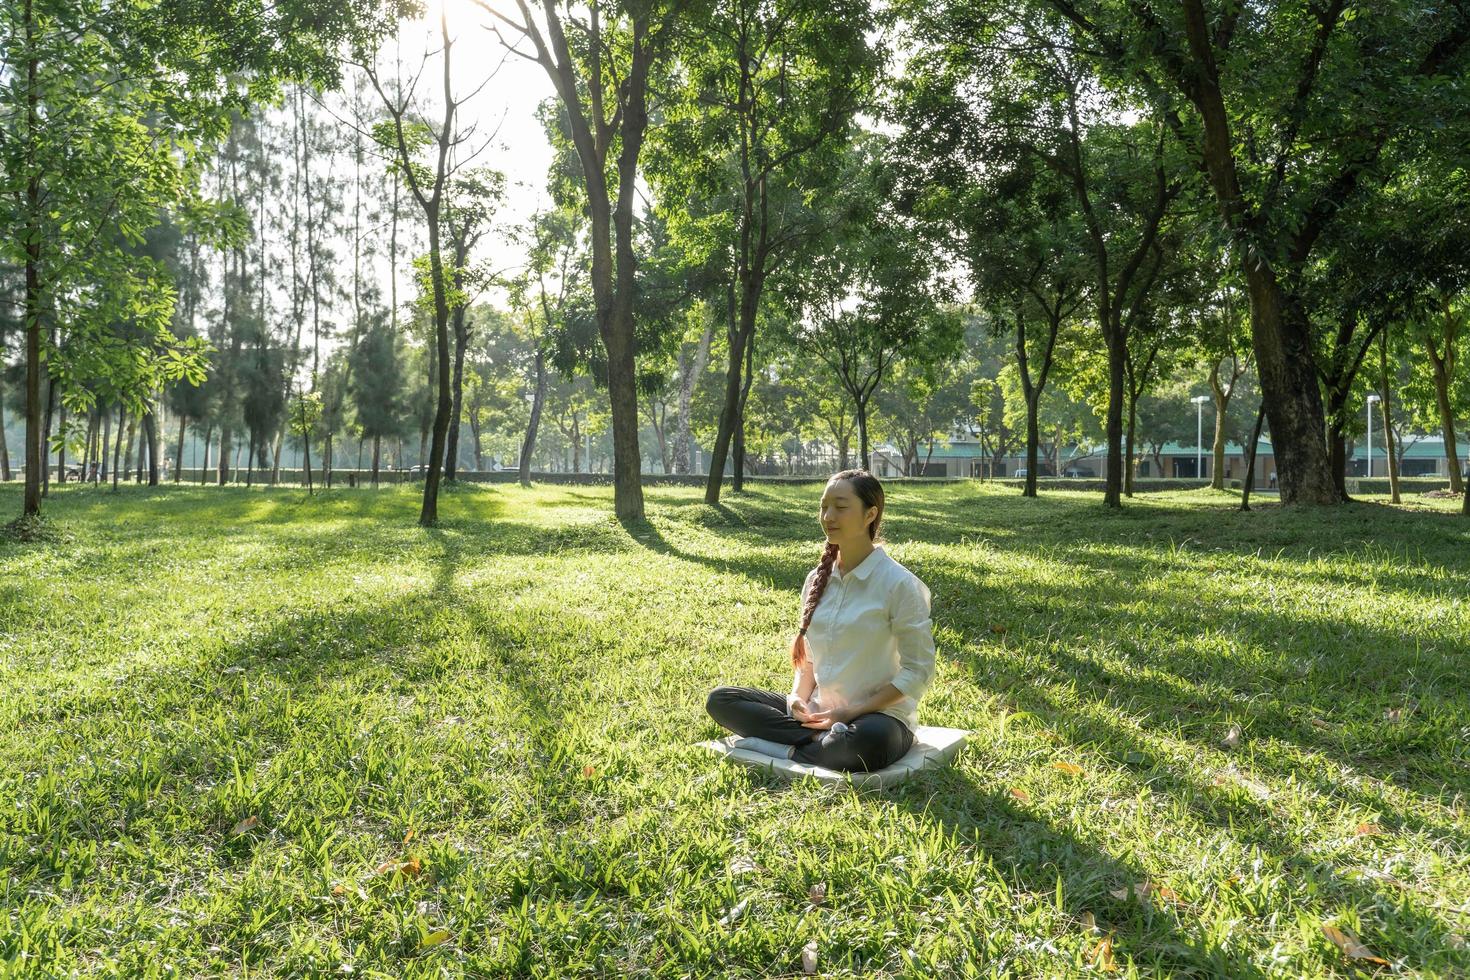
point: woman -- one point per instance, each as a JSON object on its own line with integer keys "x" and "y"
{"x": 863, "y": 656}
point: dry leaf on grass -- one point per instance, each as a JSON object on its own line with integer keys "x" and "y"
{"x": 245, "y": 826}
{"x": 817, "y": 894}
{"x": 743, "y": 866}
{"x": 436, "y": 938}
{"x": 1089, "y": 923}
{"x": 1395, "y": 715}
{"x": 1144, "y": 889}
{"x": 410, "y": 867}
{"x": 1368, "y": 829}
{"x": 1070, "y": 768}
{"x": 733, "y": 916}
{"x": 1101, "y": 957}
{"x": 1232, "y": 738}
{"x": 809, "y": 958}
{"x": 588, "y": 772}
{"x": 1021, "y": 795}
{"x": 1350, "y": 946}
{"x": 997, "y": 628}
{"x": 1319, "y": 723}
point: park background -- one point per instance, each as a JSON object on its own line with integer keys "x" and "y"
{"x": 415, "y": 410}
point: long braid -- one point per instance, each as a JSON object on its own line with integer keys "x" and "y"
{"x": 819, "y": 585}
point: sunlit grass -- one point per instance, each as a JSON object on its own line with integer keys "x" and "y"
{"x": 467, "y": 750}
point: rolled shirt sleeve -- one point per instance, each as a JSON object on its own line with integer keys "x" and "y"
{"x": 913, "y": 629}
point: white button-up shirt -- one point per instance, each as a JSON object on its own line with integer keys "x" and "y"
{"x": 871, "y": 628}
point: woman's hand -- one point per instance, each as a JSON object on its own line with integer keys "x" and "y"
{"x": 822, "y": 720}
{"x": 800, "y": 710}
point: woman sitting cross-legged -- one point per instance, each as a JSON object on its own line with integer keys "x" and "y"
{"x": 863, "y": 656}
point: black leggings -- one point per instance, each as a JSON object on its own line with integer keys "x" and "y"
{"x": 872, "y": 741}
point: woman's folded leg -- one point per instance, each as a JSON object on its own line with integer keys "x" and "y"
{"x": 870, "y": 742}
{"x": 754, "y": 713}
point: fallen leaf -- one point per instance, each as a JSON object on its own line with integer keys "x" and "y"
{"x": 588, "y": 772}
{"x": 1071, "y": 769}
{"x": 1402, "y": 712}
{"x": 339, "y": 889}
{"x": 743, "y": 865}
{"x": 1102, "y": 956}
{"x": 1456, "y": 941}
{"x": 245, "y": 826}
{"x": 817, "y": 894}
{"x": 809, "y": 958}
{"x": 1232, "y": 738}
{"x": 733, "y": 916}
{"x": 408, "y": 836}
{"x": 1144, "y": 889}
{"x": 1319, "y": 723}
{"x": 411, "y": 867}
{"x": 1350, "y": 946}
{"x": 1368, "y": 829}
{"x": 996, "y": 628}
{"x": 1021, "y": 795}
{"x": 1089, "y": 923}
{"x": 436, "y": 938}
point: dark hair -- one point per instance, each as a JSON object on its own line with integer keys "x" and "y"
{"x": 870, "y": 492}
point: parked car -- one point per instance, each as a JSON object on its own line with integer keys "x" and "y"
{"x": 1075, "y": 471}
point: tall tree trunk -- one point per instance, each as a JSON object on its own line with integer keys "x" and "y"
{"x": 327, "y": 460}
{"x": 1130, "y": 463}
{"x": 1385, "y": 392}
{"x": 4, "y": 447}
{"x": 1250, "y": 459}
{"x": 250, "y": 459}
{"x": 61, "y": 446}
{"x": 179, "y": 453}
{"x": 1117, "y": 341}
{"x": 150, "y": 432}
{"x": 739, "y": 337}
{"x": 1033, "y": 442}
{"x": 1440, "y": 362}
{"x": 1221, "y": 396}
{"x": 117, "y": 448}
{"x": 377, "y": 456}
{"x": 208, "y": 444}
{"x": 35, "y": 454}
{"x": 689, "y": 375}
{"x": 456, "y": 408}
{"x": 224, "y": 452}
{"x": 862, "y": 425}
{"x": 738, "y": 484}
{"x": 46, "y": 437}
{"x": 538, "y": 399}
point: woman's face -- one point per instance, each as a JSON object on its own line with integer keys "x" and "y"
{"x": 842, "y": 513}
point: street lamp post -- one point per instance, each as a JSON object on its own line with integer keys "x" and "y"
{"x": 1371, "y": 400}
{"x": 1199, "y": 434}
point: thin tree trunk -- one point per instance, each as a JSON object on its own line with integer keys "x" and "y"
{"x": 117, "y": 448}
{"x": 35, "y": 455}
{"x": 456, "y": 408}
{"x": 738, "y": 484}
{"x": 1384, "y": 395}
{"x": 689, "y": 375}
{"x": 1440, "y": 365}
{"x": 4, "y": 448}
{"x": 1033, "y": 443}
{"x": 377, "y": 456}
{"x": 250, "y": 460}
{"x": 1250, "y": 464}
{"x": 46, "y": 437}
{"x": 179, "y": 454}
{"x": 208, "y": 444}
{"x": 150, "y": 433}
{"x": 538, "y": 399}
{"x": 61, "y": 448}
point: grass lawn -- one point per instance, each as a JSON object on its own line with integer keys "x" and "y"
{"x": 252, "y": 733}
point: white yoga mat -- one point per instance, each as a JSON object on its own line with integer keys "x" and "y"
{"x": 933, "y": 747}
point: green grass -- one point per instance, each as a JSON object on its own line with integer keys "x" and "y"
{"x": 502, "y": 710}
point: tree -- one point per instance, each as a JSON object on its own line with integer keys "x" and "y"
{"x": 375, "y": 385}
{"x": 406, "y": 137}
{"x": 866, "y": 293}
{"x": 764, "y": 95}
{"x": 105, "y": 119}
{"x": 1285, "y": 151}
{"x": 601, "y": 77}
